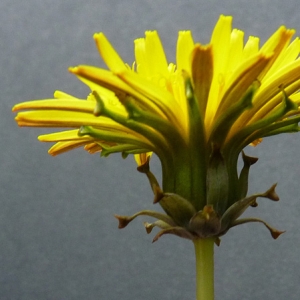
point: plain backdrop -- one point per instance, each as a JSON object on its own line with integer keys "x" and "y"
{"x": 58, "y": 237}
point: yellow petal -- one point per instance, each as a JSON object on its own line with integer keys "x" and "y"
{"x": 69, "y": 135}
{"x": 155, "y": 54}
{"x": 185, "y": 45}
{"x": 141, "y": 58}
{"x": 161, "y": 98}
{"x": 286, "y": 56}
{"x": 52, "y": 118}
{"x": 251, "y": 47}
{"x": 61, "y": 104}
{"x": 241, "y": 79}
{"x": 63, "y": 95}
{"x": 93, "y": 76}
{"x": 220, "y": 44}
{"x": 202, "y": 74}
{"x": 62, "y": 147}
{"x": 235, "y": 50}
{"x": 108, "y": 53}
{"x": 92, "y": 148}
{"x": 220, "y": 41}
{"x": 275, "y": 44}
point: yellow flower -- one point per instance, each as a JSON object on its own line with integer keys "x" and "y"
{"x": 197, "y": 115}
{"x": 70, "y": 112}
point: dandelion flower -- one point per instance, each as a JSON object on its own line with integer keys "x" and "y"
{"x": 196, "y": 115}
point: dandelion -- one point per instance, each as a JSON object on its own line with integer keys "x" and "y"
{"x": 196, "y": 115}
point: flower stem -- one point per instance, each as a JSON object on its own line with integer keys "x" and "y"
{"x": 204, "y": 251}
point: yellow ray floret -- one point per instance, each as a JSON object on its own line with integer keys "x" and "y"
{"x": 218, "y": 93}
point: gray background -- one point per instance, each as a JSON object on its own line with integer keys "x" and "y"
{"x": 58, "y": 236}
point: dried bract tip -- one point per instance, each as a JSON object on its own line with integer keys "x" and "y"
{"x": 249, "y": 160}
{"x": 144, "y": 168}
{"x": 148, "y": 227}
{"x": 158, "y": 194}
{"x": 276, "y": 233}
{"x": 271, "y": 194}
{"x": 123, "y": 221}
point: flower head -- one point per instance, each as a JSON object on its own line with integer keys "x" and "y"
{"x": 196, "y": 115}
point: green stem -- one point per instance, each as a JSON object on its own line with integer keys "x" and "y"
{"x": 204, "y": 251}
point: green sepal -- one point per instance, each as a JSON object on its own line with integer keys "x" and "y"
{"x": 165, "y": 222}
{"x": 258, "y": 129}
{"x": 176, "y": 149}
{"x": 205, "y": 223}
{"x": 111, "y": 136}
{"x": 125, "y": 220}
{"x": 101, "y": 110}
{"x": 124, "y": 154}
{"x": 100, "y": 107}
{"x": 159, "y": 144}
{"x": 134, "y": 151}
{"x": 164, "y": 127}
{"x": 160, "y": 224}
{"x": 226, "y": 119}
{"x": 217, "y": 182}
{"x": 157, "y": 191}
{"x": 148, "y": 94}
{"x": 178, "y": 208}
{"x": 244, "y": 175}
{"x": 167, "y": 229}
{"x": 197, "y": 149}
{"x": 239, "y": 207}
{"x": 284, "y": 129}
{"x": 177, "y": 230}
{"x": 290, "y": 124}
{"x": 274, "y": 232}
{"x": 121, "y": 148}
